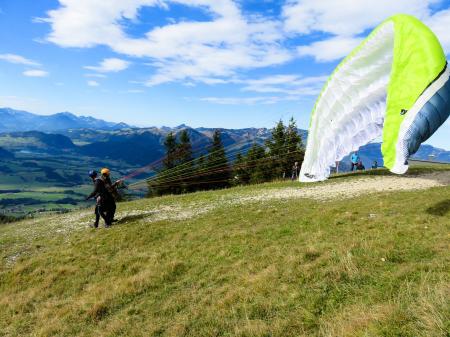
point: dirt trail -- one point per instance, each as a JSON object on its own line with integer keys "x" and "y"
{"x": 63, "y": 225}
{"x": 355, "y": 187}
{"x": 330, "y": 190}
{"x": 318, "y": 191}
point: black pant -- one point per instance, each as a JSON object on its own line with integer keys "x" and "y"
{"x": 108, "y": 208}
{"x": 354, "y": 165}
{"x": 101, "y": 212}
{"x": 111, "y": 211}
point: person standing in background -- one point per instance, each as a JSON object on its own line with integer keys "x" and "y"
{"x": 354, "y": 160}
{"x": 295, "y": 170}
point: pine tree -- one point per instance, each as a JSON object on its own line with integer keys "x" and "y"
{"x": 186, "y": 163}
{"x": 199, "y": 169}
{"x": 185, "y": 147}
{"x": 217, "y": 164}
{"x": 277, "y": 151}
{"x": 171, "y": 146}
{"x": 256, "y": 162}
{"x": 294, "y": 146}
{"x": 159, "y": 185}
{"x": 240, "y": 173}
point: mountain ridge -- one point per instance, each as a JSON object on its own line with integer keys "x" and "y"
{"x": 12, "y": 120}
{"x": 94, "y": 137}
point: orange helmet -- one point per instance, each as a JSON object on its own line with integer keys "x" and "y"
{"x": 105, "y": 171}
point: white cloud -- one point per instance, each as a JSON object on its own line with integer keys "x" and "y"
{"x": 440, "y": 23}
{"x": 216, "y": 51}
{"x": 346, "y": 20}
{"x": 110, "y": 65}
{"x": 287, "y": 84}
{"x": 178, "y": 51}
{"x": 347, "y": 17}
{"x": 285, "y": 88}
{"x": 23, "y": 103}
{"x": 330, "y": 49}
{"x": 242, "y": 100}
{"x": 17, "y": 59}
{"x": 93, "y": 83}
{"x": 35, "y": 73}
{"x": 95, "y": 75}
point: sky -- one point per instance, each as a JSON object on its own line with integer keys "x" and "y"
{"x": 212, "y": 63}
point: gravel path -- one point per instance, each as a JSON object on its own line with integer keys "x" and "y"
{"x": 63, "y": 225}
{"x": 355, "y": 187}
{"x": 317, "y": 191}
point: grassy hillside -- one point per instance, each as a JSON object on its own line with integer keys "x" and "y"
{"x": 238, "y": 262}
{"x": 36, "y": 182}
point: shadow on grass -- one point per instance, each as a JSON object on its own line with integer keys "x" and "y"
{"x": 128, "y": 218}
{"x": 439, "y": 209}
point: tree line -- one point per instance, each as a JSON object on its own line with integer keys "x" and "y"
{"x": 183, "y": 172}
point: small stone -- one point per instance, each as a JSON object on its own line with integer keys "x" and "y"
{"x": 383, "y": 259}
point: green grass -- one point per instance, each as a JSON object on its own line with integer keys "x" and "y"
{"x": 42, "y": 199}
{"x": 48, "y": 178}
{"x": 372, "y": 266}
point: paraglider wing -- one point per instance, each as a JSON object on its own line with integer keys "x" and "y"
{"x": 395, "y": 84}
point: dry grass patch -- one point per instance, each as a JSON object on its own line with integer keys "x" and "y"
{"x": 376, "y": 265}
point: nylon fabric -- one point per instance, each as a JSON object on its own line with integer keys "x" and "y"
{"x": 389, "y": 72}
{"x": 350, "y": 111}
{"x": 430, "y": 111}
{"x": 418, "y": 60}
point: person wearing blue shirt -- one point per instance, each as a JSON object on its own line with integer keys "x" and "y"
{"x": 355, "y": 160}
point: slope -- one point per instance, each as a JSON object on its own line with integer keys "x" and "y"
{"x": 267, "y": 260}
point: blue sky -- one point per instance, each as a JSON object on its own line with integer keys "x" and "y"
{"x": 214, "y": 63}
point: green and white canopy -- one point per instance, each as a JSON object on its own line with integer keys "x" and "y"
{"x": 395, "y": 84}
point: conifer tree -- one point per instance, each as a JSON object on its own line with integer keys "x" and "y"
{"x": 294, "y": 145}
{"x": 217, "y": 164}
{"x": 186, "y": 163}
{"x": 185, "y": 147}
{"x": 171, "y": 146}
{"x": 200, "y": 169}
{"x": 159, "y": 185}
{"x": 256, "y": 163}
{"x": 277, "y": 151}
{"x": 240, "y": 173}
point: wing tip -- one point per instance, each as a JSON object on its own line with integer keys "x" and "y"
{"x": 400, "y": 168}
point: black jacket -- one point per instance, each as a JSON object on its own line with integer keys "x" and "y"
{"x": 101, "y": 191}
{"x": 112, "y": 187}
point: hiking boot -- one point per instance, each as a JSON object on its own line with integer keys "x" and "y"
{"x": 93, "y": 225}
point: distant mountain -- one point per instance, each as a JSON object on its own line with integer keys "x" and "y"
{"x": 4, "y": 154}
{"x": 15, "y": 120}
{"x": 145, "y": 145}
{"x": 428, "y": 152}
{"x": 372, "y": 151}
{"x": 132, "y": 147}
{"x": 141, "y": 146}
{"x": 35, "y": 141}
{"x": 368, "y": 154}
{"x": 136, "y": 146}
